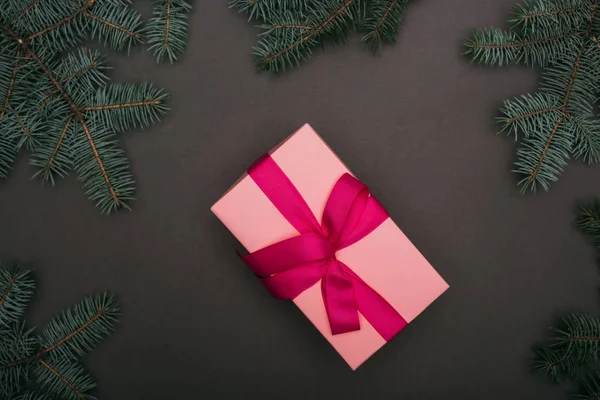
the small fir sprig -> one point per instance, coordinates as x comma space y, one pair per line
557, 122
574, 349
292, 29
56, 102
47, 366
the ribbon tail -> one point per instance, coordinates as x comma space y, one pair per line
289, 284
380, 314
340, 301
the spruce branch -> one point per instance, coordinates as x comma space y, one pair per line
280, 50
62, 379
16, 289
167, 29
56, 102
265, 9
292, 29
384, 22
574, 349
116, 25
48, 362
588, 220
556, 123
590, 387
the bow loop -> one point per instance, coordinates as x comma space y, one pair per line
351, 213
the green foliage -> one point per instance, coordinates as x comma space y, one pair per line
47, 367
167, 29
590, 387
558, 122
574, 349
55, 102
291, 29
588, 220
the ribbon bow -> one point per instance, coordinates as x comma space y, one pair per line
290, 267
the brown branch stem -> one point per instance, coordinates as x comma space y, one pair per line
62, 378
123, 105
20, 120
534, 173
11, 85
531, 114
110, 24
308, 28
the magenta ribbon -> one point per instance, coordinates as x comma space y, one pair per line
290, 267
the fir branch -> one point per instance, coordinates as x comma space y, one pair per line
60, 106
50, 359
276, 52
114, 202
16, 289
86, 5
8, 152
557, 122
267, 9
383, 23
11, 85
588, 220
57, 163
496, 47
25, 11
586, 144
29, 127
590, 387
75, 332
542, 14
113, 26
116, 25
124, 106
529, 114
553, 362
64, 379
576, 344
167, 29
16, 342
31, 395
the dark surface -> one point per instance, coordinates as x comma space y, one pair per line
415, 124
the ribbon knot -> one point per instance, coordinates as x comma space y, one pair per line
291, 266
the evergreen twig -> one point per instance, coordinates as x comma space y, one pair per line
48, 362
575, 346
556, 123
291, 29
60, 107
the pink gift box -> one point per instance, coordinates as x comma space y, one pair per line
385, 259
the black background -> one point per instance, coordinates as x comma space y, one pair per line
415, 124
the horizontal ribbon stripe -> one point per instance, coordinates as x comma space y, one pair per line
290, 267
